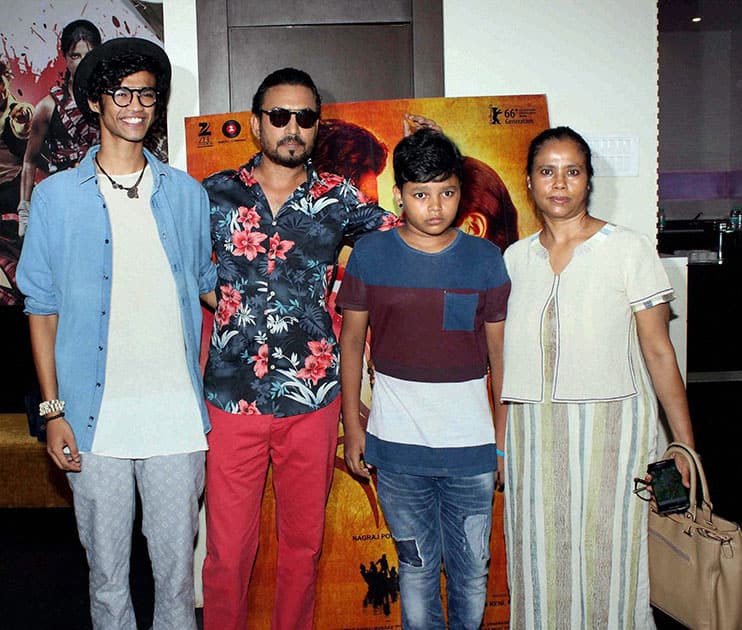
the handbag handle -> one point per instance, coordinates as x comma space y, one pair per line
696, 473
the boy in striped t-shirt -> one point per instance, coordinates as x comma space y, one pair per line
435, 299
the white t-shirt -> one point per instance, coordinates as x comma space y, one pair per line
149, 405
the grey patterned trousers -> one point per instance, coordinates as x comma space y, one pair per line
104, 494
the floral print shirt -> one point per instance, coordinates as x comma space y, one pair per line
272, 349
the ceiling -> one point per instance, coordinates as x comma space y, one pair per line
718, 15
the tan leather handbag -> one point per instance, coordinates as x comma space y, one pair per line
695, 559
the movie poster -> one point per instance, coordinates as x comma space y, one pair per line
40, 124
32, 66
358, 587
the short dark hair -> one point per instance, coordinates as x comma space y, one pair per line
560, 133
426, 156
79, 31
284, 76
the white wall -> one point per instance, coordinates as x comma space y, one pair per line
596, 60
181, 43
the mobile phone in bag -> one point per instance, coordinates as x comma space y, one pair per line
667, 487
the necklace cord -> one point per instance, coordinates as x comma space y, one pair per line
132, 191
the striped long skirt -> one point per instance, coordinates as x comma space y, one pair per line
576, 536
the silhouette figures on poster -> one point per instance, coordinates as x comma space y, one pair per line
382, 582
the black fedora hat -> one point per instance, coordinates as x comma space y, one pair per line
113, 48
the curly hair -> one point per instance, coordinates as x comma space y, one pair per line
109, 74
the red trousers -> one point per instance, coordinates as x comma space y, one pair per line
301, 450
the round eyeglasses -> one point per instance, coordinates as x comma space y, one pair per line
280, 117
123, 96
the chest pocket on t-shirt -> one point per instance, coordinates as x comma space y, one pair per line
459, 310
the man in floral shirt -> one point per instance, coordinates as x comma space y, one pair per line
271, 381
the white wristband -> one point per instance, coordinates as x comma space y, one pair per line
51, 406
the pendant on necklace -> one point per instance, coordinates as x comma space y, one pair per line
132, 192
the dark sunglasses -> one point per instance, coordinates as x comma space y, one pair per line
123, 96
280, 117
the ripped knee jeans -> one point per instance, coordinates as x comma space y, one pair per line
440, 521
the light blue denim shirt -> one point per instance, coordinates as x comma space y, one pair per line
65, 269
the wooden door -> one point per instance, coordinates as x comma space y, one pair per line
354, 50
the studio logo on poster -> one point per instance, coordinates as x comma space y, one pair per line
204, 133
231, 129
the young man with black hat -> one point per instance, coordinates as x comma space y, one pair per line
116, 255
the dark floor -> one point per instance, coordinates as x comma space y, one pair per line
43, 573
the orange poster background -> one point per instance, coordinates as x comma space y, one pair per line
467, 120
493, 129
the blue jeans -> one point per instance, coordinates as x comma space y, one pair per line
434, 519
